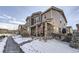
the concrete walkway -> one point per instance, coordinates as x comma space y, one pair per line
25, 42
11, 46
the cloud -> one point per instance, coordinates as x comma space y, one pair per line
17, 22
8, 26
9, 19
75, 16
4, 16
9, 22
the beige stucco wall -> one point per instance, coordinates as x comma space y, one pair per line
55, 18
48, 16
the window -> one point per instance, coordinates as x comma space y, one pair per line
45, 16
38, 19
34, 20
59, 30
60, 21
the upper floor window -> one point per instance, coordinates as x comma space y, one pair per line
60, 21
33, 21
38, 19
45, 16
59, 30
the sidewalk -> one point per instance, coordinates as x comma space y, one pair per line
11, 46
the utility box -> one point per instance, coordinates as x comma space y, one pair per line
75, 39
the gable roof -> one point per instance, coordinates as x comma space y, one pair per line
57, 9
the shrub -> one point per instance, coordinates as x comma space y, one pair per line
24, 34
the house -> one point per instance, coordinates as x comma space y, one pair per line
75, 39
77, 25
22, 29
69, 29
45, 23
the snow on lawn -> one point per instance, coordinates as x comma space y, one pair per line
18, 39
2, 44
51, 46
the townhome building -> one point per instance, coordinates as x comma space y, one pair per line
45, 23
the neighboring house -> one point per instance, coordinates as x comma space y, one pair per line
69, 29
22, 29
75, 40
77, 25
45, 23
19, 29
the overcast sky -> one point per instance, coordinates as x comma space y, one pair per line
12, 16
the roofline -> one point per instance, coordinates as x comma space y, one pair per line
52, 7
57, 9
35, 13
27, 17
69, 26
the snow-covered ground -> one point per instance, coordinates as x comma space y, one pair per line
2, 44
20, 39
51, 46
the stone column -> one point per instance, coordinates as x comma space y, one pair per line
29, 31
36, 30
45, 30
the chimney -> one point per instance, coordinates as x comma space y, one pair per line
77, 25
